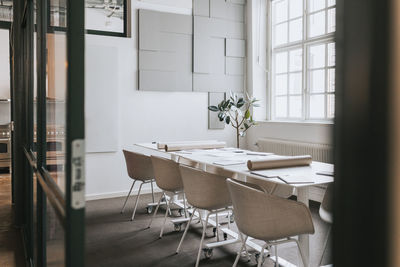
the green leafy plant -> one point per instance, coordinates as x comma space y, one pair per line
237, 111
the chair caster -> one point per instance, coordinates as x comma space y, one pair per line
181, 212
177, 227
149, 209
225, 236
208, 252
257, 256
231, 218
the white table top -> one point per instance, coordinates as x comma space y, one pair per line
241, 156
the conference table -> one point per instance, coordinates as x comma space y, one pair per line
235, 161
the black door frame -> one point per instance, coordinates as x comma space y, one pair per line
361, 195
68, 207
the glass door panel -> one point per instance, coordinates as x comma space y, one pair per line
56, 106
55, 239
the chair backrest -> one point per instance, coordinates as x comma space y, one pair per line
221, 171
188, 162
139, 166
325, 210
205, 190
167, 174
267, 217
275, 189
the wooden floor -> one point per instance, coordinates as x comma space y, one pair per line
11, 249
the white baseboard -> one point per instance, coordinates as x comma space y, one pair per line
119, 194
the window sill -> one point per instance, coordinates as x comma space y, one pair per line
305, 123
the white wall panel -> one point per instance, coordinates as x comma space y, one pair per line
235, 48
101, 87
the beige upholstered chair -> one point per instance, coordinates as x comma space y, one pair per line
207, 192
168, 179
139, 169
325, 212
267, 217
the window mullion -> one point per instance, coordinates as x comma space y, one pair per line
305, 61
326, 78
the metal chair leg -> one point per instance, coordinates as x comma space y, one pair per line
126, 199
229, 220
152, 190
303, 260
137, 201
186, 229
184, 205
165, 217
276, 256
202, 240
217, 226
260, 258
243, 247
325, 245
155, 212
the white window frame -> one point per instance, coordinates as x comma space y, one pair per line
305, 43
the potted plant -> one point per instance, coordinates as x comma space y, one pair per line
237, 112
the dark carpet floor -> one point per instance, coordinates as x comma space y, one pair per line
113, 240
11, 249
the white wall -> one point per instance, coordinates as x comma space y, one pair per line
257, 84
144, 116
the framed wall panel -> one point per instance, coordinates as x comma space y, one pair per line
165, 51
219, 46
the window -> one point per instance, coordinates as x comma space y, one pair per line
303, 59
6, 13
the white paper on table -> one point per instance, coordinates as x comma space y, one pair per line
229, 162
267, 173
296, 179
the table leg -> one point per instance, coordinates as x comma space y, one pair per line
304, 240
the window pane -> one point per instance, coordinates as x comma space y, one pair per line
295, 83
295, 8
317, 106
6, 10
331, 106
331, 54
281, 107
281, 34
295, 107
281, 84
331, 20
317, 56
296, 60
314, 5
296, 30
58, 13
317, 81
280, 11
331, 80
317, 24
331, 2
281, 62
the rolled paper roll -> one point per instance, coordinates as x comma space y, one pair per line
281, 162
161, 145
188, 146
